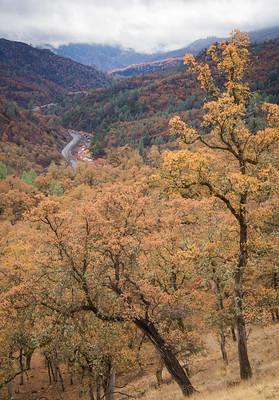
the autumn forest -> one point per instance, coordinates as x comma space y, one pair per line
150, 269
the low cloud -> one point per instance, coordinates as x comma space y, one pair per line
145, 25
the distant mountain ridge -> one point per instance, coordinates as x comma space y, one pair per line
104, 57
107, 57
175, 58
257, 36
28, 73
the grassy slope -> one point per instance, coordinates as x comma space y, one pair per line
209, 376
215, 382
263, 389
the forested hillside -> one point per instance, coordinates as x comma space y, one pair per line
137, 110
28, 140
39, 76
148, 266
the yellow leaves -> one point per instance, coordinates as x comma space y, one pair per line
18, 247
260, 303
203, 72
212, 51
189, 59
45, 209
176, 124
204, 76
223, 112
187, 134
272, 111
225, 126
154, 156
15, 203
237, 41
232, 59
261, 142
234, 56
240, 39
267, 137
184, 168
242, 184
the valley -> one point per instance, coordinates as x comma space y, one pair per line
139, 220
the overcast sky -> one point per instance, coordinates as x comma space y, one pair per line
145, 25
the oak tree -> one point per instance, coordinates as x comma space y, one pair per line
225, 159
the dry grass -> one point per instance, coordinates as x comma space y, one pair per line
263, 389
214, 381
209, 376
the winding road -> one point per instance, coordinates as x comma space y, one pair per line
67, 151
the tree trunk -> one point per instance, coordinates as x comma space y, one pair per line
51, 369
10, 390
275, 309
48, 370
10, 384
244, 364
28, 356
109, 382
70, 371
169, 359
233, 333
61, 378
159, 372
55, 370
98, 388
223, 347
82, 375
21, 366
274, 314
220, 307
90, 384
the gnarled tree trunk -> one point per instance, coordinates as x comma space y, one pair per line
168, 357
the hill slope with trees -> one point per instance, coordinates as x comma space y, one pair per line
150, 262
136, 110
28, 140
31, 74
